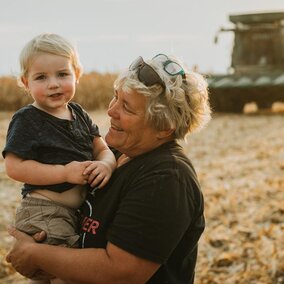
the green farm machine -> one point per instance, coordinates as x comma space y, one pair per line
257, 65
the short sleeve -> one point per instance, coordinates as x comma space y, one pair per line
93, 128
22, 137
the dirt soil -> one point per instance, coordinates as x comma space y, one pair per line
240, 163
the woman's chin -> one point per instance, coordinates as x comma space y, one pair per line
110, 139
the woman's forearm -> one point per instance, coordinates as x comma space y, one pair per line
92, 265
111, 265
74, 265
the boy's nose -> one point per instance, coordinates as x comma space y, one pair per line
53, 83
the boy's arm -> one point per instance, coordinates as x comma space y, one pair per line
101, 169
36, 173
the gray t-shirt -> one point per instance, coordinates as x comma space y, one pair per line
36, 135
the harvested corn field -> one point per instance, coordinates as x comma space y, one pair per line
240, 163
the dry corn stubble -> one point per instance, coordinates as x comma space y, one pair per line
240, 163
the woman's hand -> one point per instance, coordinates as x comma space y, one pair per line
20, 254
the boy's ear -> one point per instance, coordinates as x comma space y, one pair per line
25, 82
77, 75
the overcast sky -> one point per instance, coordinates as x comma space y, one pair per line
109, 34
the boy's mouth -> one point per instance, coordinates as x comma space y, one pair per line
55, 95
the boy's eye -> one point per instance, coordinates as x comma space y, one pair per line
63, 74
40, 77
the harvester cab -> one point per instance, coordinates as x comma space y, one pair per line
257, 64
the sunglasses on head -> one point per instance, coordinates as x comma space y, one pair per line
146, 74
171, 67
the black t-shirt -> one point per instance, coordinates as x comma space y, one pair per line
152, 207
36, 135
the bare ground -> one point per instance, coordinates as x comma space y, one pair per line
240, 163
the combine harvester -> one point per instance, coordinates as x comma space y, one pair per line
257, 65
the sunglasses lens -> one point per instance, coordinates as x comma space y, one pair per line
173, 68
148, 76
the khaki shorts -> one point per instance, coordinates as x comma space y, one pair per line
59, 222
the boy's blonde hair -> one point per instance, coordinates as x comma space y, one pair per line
52, 44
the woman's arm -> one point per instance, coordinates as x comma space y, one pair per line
110, 265
33, 172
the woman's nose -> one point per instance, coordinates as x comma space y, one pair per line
112, 109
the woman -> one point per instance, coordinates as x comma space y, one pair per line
145, 224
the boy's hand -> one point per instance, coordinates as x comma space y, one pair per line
98, 173
74, 172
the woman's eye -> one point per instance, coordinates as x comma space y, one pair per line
126, 108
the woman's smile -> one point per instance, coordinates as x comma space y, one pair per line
115, 127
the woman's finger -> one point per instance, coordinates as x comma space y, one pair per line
18, 234
40, 236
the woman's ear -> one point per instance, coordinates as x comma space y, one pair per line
165, 133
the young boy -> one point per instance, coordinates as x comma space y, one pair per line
52, 145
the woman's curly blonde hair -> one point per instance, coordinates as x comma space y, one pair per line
183, 105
